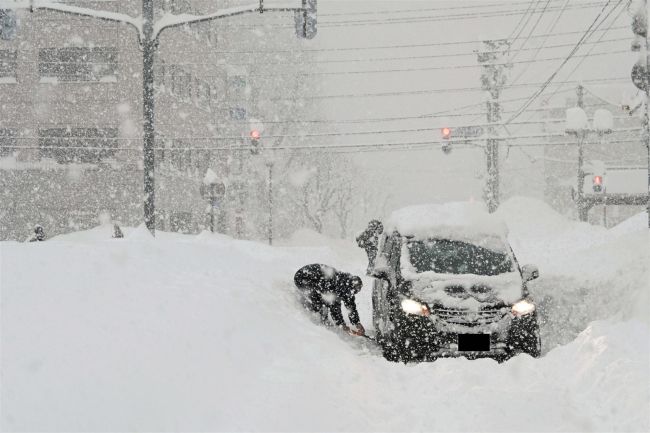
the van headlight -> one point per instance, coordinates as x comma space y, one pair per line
523, 308
409, 306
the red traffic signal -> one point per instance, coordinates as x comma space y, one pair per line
598, 184
446, 133
255, 141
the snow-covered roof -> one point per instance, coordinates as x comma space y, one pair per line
462, 221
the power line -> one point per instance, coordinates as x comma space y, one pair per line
425, 68
395, 58
549, 31
389, 47
521, 20
601, 36
444, 8
310, 135
413, 145
592, 48
528, 17
532, 30
435, 18
415, 19
421, 92
552, 76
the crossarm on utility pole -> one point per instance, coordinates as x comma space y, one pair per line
171, 20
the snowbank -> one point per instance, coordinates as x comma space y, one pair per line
206, 333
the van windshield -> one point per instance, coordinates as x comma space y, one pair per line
454, 257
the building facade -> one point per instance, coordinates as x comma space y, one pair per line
71, 123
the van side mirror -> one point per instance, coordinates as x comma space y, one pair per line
529, 272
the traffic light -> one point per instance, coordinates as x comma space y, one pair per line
255, 141
446, 135
638, 10
598, 184
7, 24
306, 20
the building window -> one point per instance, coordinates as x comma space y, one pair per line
7, 66
202, 94
180, 82
89, 145
8, 23
8, 142
77, 64
238, 113
180, 221
237, 88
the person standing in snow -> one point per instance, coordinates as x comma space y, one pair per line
324, 289
369, 241
39, 234
117, 232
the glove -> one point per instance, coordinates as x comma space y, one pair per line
357, 332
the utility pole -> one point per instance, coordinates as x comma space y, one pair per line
646, 115
148, 35
269, 164
641, 76
580, 201
241, 200
493, 79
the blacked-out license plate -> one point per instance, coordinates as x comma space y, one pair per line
473, 342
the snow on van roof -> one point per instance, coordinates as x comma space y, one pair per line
465, 221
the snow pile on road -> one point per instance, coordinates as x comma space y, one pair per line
187, 333
587, 272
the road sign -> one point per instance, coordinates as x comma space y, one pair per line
468, 131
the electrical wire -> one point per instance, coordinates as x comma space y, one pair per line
389, 47
480, 5
532, 29
521, 20
420, 92
604, 32
426, 68
537, 93
539, 48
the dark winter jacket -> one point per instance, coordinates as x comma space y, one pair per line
369, 238
369, 241
39, 234
333, 287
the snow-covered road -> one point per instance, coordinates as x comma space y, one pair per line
189, 333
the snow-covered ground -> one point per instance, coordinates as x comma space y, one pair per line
204, 333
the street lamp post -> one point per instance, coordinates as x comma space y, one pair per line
577, 124
269, 165
216, 190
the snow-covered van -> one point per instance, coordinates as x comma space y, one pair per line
448, 284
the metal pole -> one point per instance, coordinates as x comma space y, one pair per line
239, 218
148, 51
582, 210
270, 203
212, 197
646, 116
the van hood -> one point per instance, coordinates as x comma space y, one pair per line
465, 291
